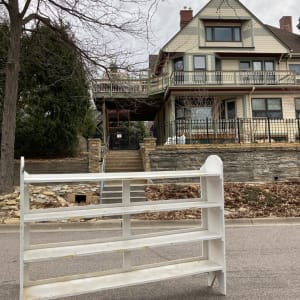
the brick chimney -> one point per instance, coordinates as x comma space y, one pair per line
186, 15
286, 23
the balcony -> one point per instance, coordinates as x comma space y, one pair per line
235, 131
143, 87
233, 78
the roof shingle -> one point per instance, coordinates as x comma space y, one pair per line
291, 40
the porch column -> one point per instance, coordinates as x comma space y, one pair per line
149, 145
245, 110
94, 155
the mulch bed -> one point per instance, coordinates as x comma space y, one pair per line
242, 200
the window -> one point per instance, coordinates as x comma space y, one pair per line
257, 65
245, 65
257, 72
178, 64
199, 68
267, 108
194, 108
269, 66
199, 62
297, 105
295, 68
178, 70
223, 34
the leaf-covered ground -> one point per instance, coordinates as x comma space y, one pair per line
241, 200
252, 200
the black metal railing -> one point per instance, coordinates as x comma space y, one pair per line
208, 131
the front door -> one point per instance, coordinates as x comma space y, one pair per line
228, 110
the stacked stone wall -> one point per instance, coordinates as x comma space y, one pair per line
242, 163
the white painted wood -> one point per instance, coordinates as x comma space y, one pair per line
96, 284
137, 243
22, 225
96, 177
211, 233
117, 210
126, 224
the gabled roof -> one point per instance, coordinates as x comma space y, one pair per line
288, 40
291, 40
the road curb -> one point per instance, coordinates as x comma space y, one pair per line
115, 224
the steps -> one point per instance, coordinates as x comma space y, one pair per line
123, 161
112, 192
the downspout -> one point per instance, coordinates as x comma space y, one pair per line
289, 57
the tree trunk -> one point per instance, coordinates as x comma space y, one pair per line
10, 99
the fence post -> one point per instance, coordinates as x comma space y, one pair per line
269, 131
175, 121
298, 121
238, 128
207, 133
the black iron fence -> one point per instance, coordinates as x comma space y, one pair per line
208, 131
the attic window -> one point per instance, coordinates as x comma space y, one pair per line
223, 34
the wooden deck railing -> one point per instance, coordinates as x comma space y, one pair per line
147, 86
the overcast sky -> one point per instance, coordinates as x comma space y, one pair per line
166, 20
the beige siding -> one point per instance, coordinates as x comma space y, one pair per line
288, 107
230, 65
186, 40
224, 8
253, 32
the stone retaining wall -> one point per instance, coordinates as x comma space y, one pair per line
85, 163
53, 166
242, 163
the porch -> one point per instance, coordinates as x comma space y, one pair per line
228, 131
141, 87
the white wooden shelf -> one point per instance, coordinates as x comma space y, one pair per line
57, 251
96, 177
116, 210
211, 234
80, 286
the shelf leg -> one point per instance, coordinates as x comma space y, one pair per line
126, 224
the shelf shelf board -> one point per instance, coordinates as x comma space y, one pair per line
116, 210
96, 177
58, 251
93, 284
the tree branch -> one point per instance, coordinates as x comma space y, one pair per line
4, 3
25, 8
83, 17
36, 16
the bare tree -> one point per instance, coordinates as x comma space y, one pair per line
107, 23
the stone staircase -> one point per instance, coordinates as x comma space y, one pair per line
123, 161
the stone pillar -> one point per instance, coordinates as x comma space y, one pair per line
148, 146
94, 155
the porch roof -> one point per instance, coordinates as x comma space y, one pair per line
140, 109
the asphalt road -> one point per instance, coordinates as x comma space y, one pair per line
263, 262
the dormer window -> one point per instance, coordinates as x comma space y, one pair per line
223, 33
